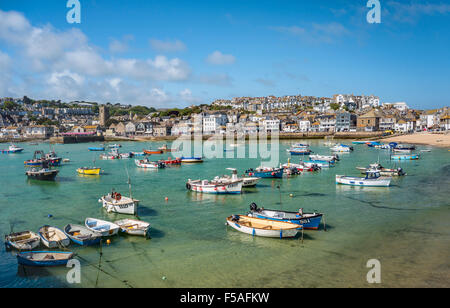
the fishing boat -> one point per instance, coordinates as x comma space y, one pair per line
89, 170
330, 158
216, 186
150, 152
147, 164
263, 227
53, 159
101, 227
12, 149
114, 202
44, 173
405, 157
171, 161
321, 163
82, 235
44, 258
133, 227
38, 158
114, 146
299, 151
373, 179
96, 149
53, 237
246, 181
383, 171
25, 240
114, 154
342, 148
266, 172
191, 160
309, 221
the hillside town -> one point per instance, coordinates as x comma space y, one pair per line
28, 118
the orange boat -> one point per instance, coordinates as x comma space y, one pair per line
152, 152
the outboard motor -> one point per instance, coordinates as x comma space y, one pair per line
253, 207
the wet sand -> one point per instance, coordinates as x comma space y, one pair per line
434, 139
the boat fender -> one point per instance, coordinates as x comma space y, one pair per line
118, 196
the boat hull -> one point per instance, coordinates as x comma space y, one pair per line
354, 181
126, 206
229, 188
93, 171
311, 222
26, 258
254, 231
267, 174
86, 238
63, 240
101, 227
26, 240
42, 176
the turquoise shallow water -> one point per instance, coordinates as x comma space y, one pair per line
405, 226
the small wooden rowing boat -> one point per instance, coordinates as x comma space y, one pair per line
25, 240
53, 237
263, 227
44, 258
82, 235
133, 227
101, 227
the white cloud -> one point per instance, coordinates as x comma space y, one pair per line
167, 46
218, 58
65, 65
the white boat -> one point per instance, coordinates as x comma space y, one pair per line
247, 181
26, 240
133, 227
263, 227
147, 164
53, 237
383, 171
342, 148
114, 202
373, 178
101, 227
330, 158
216, 186
114, 146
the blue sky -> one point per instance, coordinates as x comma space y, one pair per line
177, 53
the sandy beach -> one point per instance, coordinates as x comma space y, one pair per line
434, 139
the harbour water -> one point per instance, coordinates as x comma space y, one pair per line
405, 226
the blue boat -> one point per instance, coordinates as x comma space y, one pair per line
309, 221
405, 157
265, 172
82, 235
299, 151
96, 149
44, 258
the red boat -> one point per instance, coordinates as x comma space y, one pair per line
170, 161
152, 152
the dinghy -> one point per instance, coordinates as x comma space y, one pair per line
299, 151
191, 160
101, 227
133, 227
53, 237
342, 148
96, 149
331, 158
82, 235
150, 152
26, 240
372, 179
307, 220
405, 157
263, 227
44, 258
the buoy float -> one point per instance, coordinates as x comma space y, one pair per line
108, 241
291, 195
273, 173
167, 199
